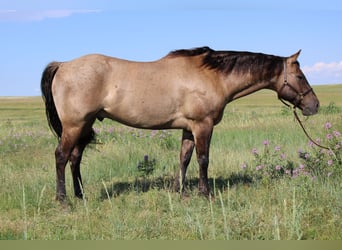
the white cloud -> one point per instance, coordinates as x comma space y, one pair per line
322, 72
321, 66
38, 15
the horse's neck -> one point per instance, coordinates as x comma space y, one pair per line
240, 88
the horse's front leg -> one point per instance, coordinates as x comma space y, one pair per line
202, 143
185, 156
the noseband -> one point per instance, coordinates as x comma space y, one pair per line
299, 97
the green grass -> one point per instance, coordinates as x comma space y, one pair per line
121, 204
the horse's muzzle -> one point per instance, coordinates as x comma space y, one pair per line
311, 109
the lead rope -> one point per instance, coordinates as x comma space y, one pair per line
306, 133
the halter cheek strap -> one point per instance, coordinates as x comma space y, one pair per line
298, 99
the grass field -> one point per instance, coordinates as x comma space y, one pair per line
123, 203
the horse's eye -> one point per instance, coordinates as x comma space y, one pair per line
300, 77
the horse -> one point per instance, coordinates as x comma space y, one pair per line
188, 89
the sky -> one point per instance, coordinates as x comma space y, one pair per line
36, 32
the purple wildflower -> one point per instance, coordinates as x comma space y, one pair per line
322, 151
327, 125
336, 133
278, 167
283, 156
266, 142
254, 151
330, 137
277, 148
243, 166
330, 162
259, 167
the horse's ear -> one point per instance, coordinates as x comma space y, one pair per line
294, 57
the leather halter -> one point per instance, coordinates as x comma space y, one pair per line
298, 99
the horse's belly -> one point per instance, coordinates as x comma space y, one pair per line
143, 116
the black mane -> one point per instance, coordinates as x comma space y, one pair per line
191, 52
262, 66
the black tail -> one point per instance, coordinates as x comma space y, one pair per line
50, 108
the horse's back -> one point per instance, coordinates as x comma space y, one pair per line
161, 94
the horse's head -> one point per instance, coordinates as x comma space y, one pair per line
294, 87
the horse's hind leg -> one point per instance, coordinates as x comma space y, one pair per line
62, 154
63, 151
75, 159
